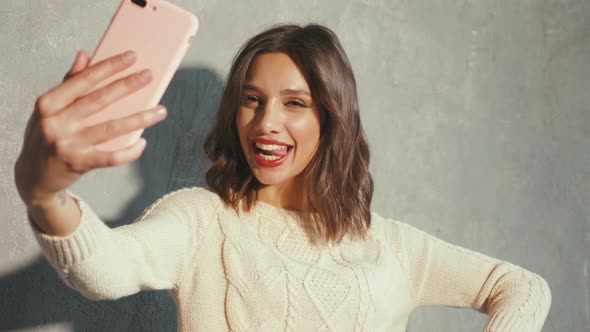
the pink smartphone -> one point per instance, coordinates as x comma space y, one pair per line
160, 34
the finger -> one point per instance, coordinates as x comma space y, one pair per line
101, 159
110, 129
107, 95
79, 64
74, 65
63, 94
84, 61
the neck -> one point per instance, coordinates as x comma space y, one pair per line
287, 195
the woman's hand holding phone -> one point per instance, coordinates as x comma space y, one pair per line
58, 149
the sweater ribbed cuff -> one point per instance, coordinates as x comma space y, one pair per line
64, 251
524, 313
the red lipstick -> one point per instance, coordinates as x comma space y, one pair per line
269, 141
260, 157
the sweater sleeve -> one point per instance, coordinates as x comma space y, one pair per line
109, 263
444, 274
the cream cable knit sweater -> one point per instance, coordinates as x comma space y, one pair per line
258, 272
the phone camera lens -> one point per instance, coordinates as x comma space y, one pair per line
140, 3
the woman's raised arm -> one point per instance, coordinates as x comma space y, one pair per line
58, 148
108, 263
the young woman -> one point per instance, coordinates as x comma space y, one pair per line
283, 237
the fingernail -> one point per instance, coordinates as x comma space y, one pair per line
128, 56
160, 111
145, 75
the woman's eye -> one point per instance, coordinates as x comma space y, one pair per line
296, 103
249, 99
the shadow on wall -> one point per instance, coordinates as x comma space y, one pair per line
174, 158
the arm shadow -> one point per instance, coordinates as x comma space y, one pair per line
174, 158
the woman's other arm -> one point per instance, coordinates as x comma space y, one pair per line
444, 274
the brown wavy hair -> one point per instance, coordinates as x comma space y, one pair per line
338, 187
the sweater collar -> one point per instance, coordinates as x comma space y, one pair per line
269, 210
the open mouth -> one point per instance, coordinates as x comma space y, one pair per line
271, 155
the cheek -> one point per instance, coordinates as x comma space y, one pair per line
306, 132
243, 123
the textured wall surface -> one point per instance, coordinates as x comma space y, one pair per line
477, 114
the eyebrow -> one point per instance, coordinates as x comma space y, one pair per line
283, 92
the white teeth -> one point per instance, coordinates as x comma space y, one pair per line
265, 157
270, 147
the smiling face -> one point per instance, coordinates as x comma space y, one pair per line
313, 154
278, 123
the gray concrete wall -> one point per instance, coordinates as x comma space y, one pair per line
477, 113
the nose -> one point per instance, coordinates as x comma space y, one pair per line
269, 118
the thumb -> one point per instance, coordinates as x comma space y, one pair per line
79, 64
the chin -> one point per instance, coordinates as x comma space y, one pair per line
267, 179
